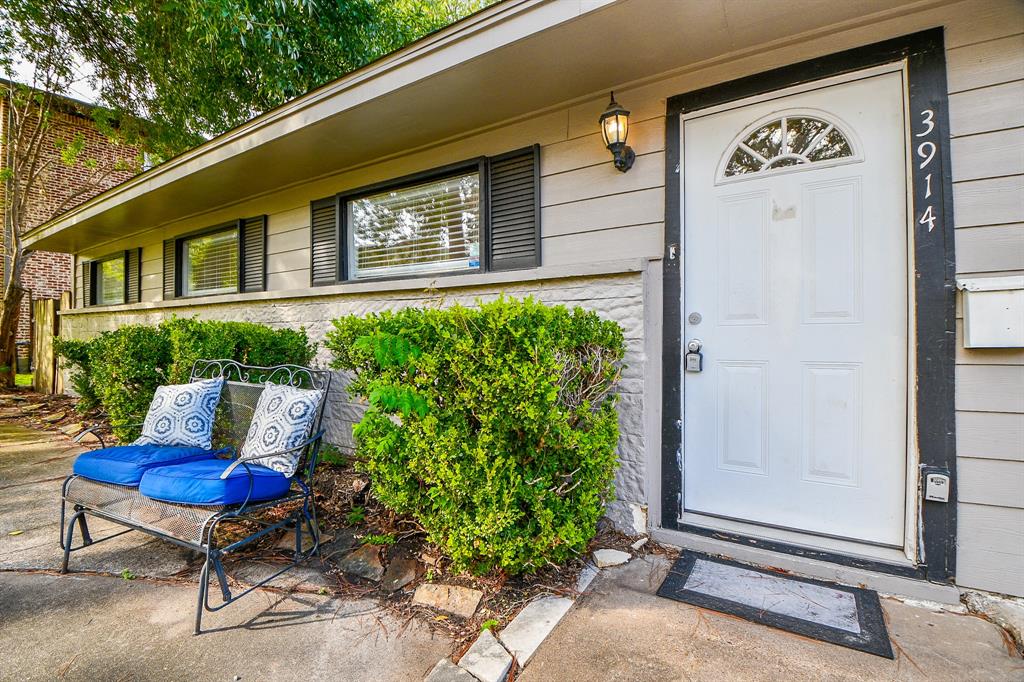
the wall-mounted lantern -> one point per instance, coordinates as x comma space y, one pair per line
614, 128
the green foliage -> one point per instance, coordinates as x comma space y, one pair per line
74, 356
126, 574
197, 69
332, 455
494, 427
121, 369
246, 342
489, 624
379, 539
126, 366
355, 516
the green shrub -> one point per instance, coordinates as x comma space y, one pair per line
246, 342
494, 427
126, 367
121, 369
74, 356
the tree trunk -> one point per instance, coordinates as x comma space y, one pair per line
9, 310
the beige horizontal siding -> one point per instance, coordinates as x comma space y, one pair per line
601, 213
986, 63
634, 241
593, 182
990, 248
990, 435
981, 111
991, 201
991, 481
990, 388
988, 155
990, 548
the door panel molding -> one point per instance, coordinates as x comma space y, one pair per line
933, 303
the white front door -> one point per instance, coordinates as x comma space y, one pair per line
795, 282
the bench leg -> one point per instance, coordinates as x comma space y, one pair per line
204, 583
67, 541
79, 518
84, 527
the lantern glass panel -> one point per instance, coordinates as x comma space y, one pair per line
615, 128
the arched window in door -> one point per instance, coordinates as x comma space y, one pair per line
784, 141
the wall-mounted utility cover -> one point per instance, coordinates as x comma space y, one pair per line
993, 311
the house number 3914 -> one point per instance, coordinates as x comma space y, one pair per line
926, 150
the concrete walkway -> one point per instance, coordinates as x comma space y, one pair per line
99, 628
622, 631
90, 626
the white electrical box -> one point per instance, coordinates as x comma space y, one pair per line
993, 311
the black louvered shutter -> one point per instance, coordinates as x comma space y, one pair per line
170, 279
323, 220
133, 275
514, 206
253, 236
86, 284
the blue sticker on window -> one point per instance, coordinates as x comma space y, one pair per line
474, 263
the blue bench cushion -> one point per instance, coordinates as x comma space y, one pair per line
200, 483
125, 464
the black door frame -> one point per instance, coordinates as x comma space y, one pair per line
934, 290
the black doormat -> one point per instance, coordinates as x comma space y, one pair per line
847, 616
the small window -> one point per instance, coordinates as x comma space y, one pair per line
787, 141
424, 228
210, 264
110, 281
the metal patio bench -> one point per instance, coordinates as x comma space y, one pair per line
195, 526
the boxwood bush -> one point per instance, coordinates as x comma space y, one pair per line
494, 427
121, 369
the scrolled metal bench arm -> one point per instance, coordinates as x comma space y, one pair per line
298, 448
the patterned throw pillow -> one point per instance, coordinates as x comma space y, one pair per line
283, 419
182, 415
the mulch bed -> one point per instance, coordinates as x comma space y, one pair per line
347, 509
50, 413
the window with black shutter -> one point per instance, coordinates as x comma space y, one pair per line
479, 215
114, 279
224, 259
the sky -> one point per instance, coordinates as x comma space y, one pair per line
80, 89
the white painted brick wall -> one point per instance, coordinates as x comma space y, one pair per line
615, 297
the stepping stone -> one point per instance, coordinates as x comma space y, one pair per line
454, 599
55, 417
364, 562
487, 659
534, 623
446, 671
72, 429
401, 571
610, 557
29, 409
287, 541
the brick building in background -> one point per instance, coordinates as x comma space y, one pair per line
47, 274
